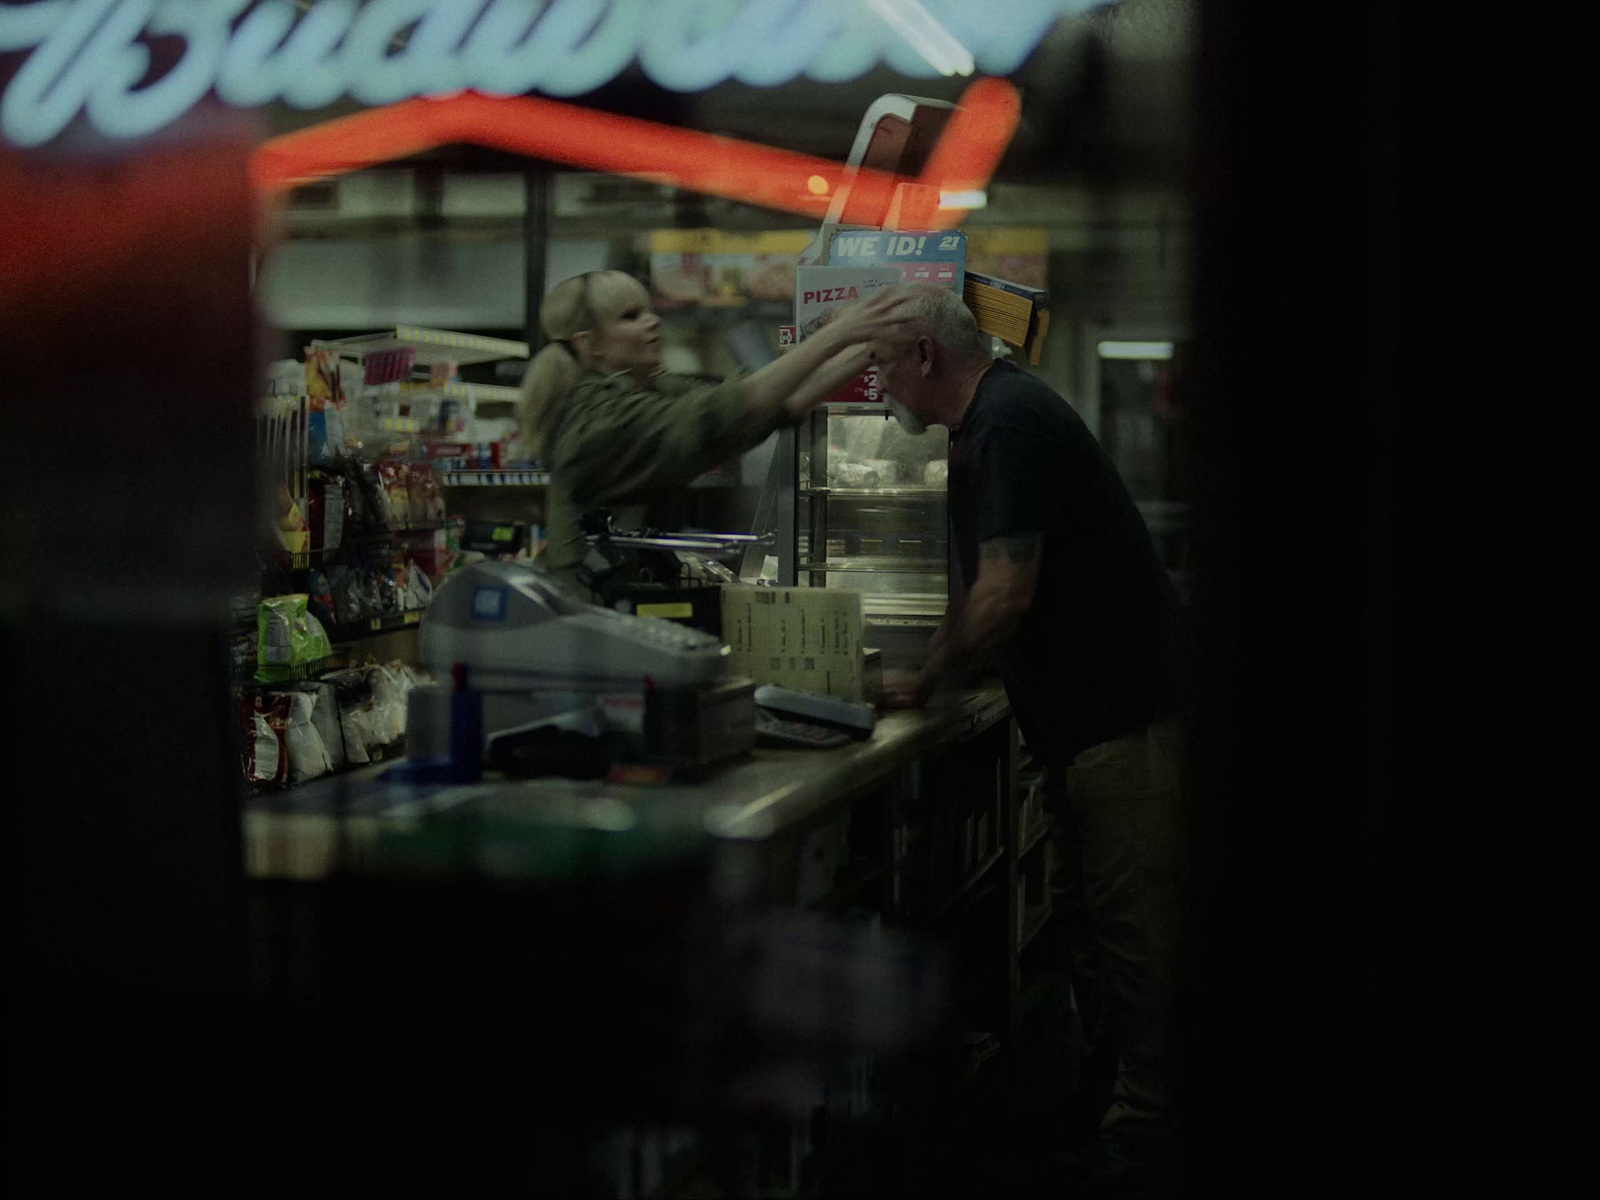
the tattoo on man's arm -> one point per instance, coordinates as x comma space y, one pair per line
1019, 548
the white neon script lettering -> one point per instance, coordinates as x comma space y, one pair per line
87, 56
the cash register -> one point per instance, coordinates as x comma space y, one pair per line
572, 688
676, 576
569, 688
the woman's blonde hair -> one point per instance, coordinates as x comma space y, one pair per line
583, 304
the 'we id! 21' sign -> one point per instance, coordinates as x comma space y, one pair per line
93, 57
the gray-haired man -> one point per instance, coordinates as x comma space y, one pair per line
1061, 590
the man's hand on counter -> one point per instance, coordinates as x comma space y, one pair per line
903, 689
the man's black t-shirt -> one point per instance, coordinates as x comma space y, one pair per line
1101, 652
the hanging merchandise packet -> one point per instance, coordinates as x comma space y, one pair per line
395, 479
323, 383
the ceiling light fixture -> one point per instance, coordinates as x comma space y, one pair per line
1143, 351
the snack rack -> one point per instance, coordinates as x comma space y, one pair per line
429, 345
397, 400
387, 417
478, 486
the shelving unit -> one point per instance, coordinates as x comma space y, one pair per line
341, 635
412, 396
431, 345
874, 522
472, 393
285, 449
379, 759
877, 565
392, 532
896, 508
295, 674
906, 609
301, 560
346, 642
492, 478
807, 489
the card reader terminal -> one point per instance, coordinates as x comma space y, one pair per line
857, 720
773, 729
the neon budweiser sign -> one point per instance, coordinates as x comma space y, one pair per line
93, 57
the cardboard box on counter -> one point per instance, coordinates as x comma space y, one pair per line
803, 638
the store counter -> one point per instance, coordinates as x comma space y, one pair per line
613, 956
557, 831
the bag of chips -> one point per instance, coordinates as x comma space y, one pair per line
266, 721
395, 478
429, 551
307, 755
323, 381
287, 636
390, 687
325, 716
352, 698
326, 432
426, 496
320, 604
384, 596
326, 515
380, 512
419, 589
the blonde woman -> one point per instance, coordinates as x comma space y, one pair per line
618, 433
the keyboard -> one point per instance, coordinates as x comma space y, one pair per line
773, 729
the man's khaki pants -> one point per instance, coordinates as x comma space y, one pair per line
1119, 838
